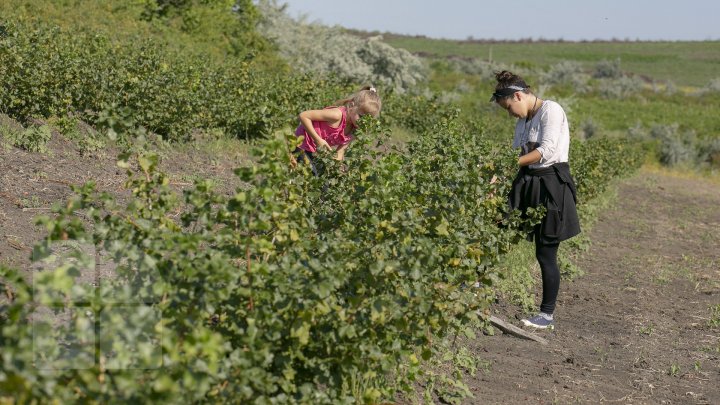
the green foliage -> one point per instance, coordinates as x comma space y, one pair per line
87, 139
714, 321
415, 112
599, 159
167, 93
589, 128
9, 129
296, 289
233, 22
217, 30
32, 139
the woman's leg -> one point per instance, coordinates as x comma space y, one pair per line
546, 255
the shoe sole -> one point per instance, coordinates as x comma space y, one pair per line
526, 323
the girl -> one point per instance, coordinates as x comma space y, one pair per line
333, 126
543, 179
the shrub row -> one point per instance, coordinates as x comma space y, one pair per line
47, 72
297, 289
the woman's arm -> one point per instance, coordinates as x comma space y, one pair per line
333, 116
529, 158
551, 127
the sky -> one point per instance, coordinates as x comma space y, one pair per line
681, 20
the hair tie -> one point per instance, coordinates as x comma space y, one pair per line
372, 89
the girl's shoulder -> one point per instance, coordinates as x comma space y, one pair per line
549, 104
333, 113
339, 110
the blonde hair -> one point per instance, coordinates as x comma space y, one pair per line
366, 100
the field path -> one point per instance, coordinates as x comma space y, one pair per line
635, 329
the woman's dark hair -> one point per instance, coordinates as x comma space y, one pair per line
506, 79
508, 84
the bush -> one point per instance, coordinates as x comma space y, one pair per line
608, 69
219, 30
709, 151
474, 66
622, 87
567, 73
713, 87
32, 139
675, 147
589, 128
326, 50
9, 128
167, 93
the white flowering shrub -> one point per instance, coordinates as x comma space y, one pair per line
315, 48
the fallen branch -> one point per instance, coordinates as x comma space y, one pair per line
65, 183
514, 330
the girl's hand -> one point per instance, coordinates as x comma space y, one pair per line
322, 144
493, 180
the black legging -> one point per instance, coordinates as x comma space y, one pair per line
546, 255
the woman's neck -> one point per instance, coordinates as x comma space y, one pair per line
537, 102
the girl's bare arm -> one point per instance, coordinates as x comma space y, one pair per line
332, 116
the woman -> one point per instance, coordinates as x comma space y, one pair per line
543, 136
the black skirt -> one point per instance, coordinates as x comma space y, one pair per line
554, 188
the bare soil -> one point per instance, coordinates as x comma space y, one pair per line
30, 183
637, 327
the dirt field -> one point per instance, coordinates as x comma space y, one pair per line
30, 183
636, 328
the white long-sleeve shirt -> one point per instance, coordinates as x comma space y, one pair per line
548, 132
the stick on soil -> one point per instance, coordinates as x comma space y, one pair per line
515, 331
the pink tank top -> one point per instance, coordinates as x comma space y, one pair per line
333, 136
